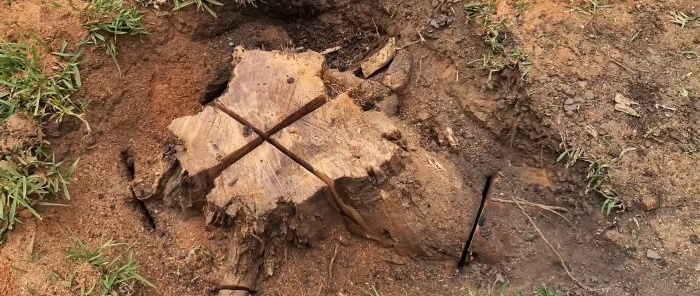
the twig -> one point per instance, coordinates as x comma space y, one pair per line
420, 67
376, 29
561, 260
553, 209
421, 37
621, 65
330, 264
408, 44
331, 50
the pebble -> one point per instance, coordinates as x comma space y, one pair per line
569, 101
568, 90
440, 21
422, 115
695, 239
649, 203
653, 255
500, 279
399, 72
588, 95
530, 236
570, 108
502, 104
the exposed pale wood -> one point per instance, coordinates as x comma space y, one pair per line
267, 87
261, 179
343, 142
208, 137
379, 59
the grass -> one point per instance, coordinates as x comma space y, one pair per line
201, 5
547, 292
29, 175
682, 19
207, 5
105, 20
118, 274
521, 5
26, 181
544, 291
25, 84
372, 291
597, 174
590, 7
497, 56
571, 156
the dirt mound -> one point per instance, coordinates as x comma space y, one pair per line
19, 132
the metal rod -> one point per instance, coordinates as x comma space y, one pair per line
484, 196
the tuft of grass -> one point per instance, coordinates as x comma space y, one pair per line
544, 291
372, 291
482, 12
682, 19
497, 56
521, 5
571, 156
118, 274
590, 7
201, 5
597, 174
25, 84
28, 175
207, 5
105, 20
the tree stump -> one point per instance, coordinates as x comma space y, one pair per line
276, 148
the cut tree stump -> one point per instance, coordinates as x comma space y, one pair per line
274, 147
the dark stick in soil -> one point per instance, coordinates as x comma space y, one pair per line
484, 196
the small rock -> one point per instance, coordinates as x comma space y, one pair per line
89, 140
588, 95
650, 203
569, 101
653, 255
399, 71
568, 90
694, 238
390, 105
579, 99
581, 76
530, 236
501, 104
500, 279
422, 115
616, 237
570, 108
623, 104
440, 21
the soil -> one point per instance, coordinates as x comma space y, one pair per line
511, 124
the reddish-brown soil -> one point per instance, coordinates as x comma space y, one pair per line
511, 124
